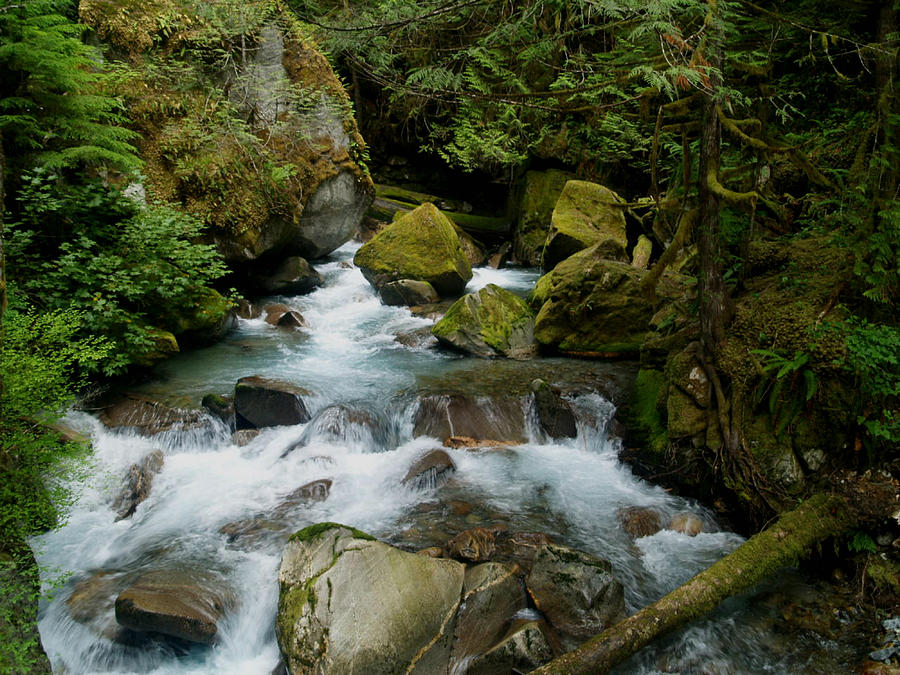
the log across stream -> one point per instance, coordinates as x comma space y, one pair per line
217, 509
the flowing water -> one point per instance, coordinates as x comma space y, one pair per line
209, 489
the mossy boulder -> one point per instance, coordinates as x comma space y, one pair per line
421, 245
262, 147
596, 306
586, 214
204, 321
540, 192
350, 604
491, 322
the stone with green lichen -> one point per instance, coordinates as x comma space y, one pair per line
491, 322
595, 305
350, 604
421, 245
585, 216
540, 193
163, 346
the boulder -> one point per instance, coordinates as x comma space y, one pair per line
554, 413
686, 523
492, 322
492, 595
596, 306
501, 257
282, 315
585, 216
316, 491
640, 256
260, 402
179, 603
443, 416
640, 521
294, 276
422, 245
431, 470
576, 591
539, 196
348, 426
247, 310
471, 248
138, 481
407, 292
145, 415
350, 604
524, 648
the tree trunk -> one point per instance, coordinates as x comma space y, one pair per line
784, 543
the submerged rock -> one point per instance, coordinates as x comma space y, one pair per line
138, 481
260, 402
586, 215
183, 604
640, 521
491, 322
283, 315
686, 523
221, 407
422, 245
350, 604
346, 425
576, 591
475, 545
431, 470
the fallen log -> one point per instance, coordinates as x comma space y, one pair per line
791, 538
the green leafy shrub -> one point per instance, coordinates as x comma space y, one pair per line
130, 270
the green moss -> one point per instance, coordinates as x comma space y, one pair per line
541, 291
313, 531
493, 317
644, 408
885, 574
541, 190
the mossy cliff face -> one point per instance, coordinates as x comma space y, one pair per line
586, 214
422, 245
244, 122
539, 195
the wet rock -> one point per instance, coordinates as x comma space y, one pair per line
576, 591
294, 276
492, 594
492, 322
524, 648
260, 402
640, 521
429, 471
473, 443
555, 414
459, 507
138, 481
247, 310
92, 602
350, 604
244, 437
521, 547
182, 604
479, 418
417, 339
221, 407
422, 244
314, 491
586, 215
346, 425
147, 416
249, 532
686, 523
408, 292
501, 257
282, 315
474, 546
431, 552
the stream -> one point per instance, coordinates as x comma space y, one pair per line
349, 356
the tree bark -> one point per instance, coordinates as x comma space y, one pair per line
782, 544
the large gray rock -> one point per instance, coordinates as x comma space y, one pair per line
183, 604
349, 604
586, 215
408, 292
477, 418
492, 322
260, 402
576, 591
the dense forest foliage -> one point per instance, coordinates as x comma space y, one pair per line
748, 138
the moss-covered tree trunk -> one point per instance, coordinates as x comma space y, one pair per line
784, 543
